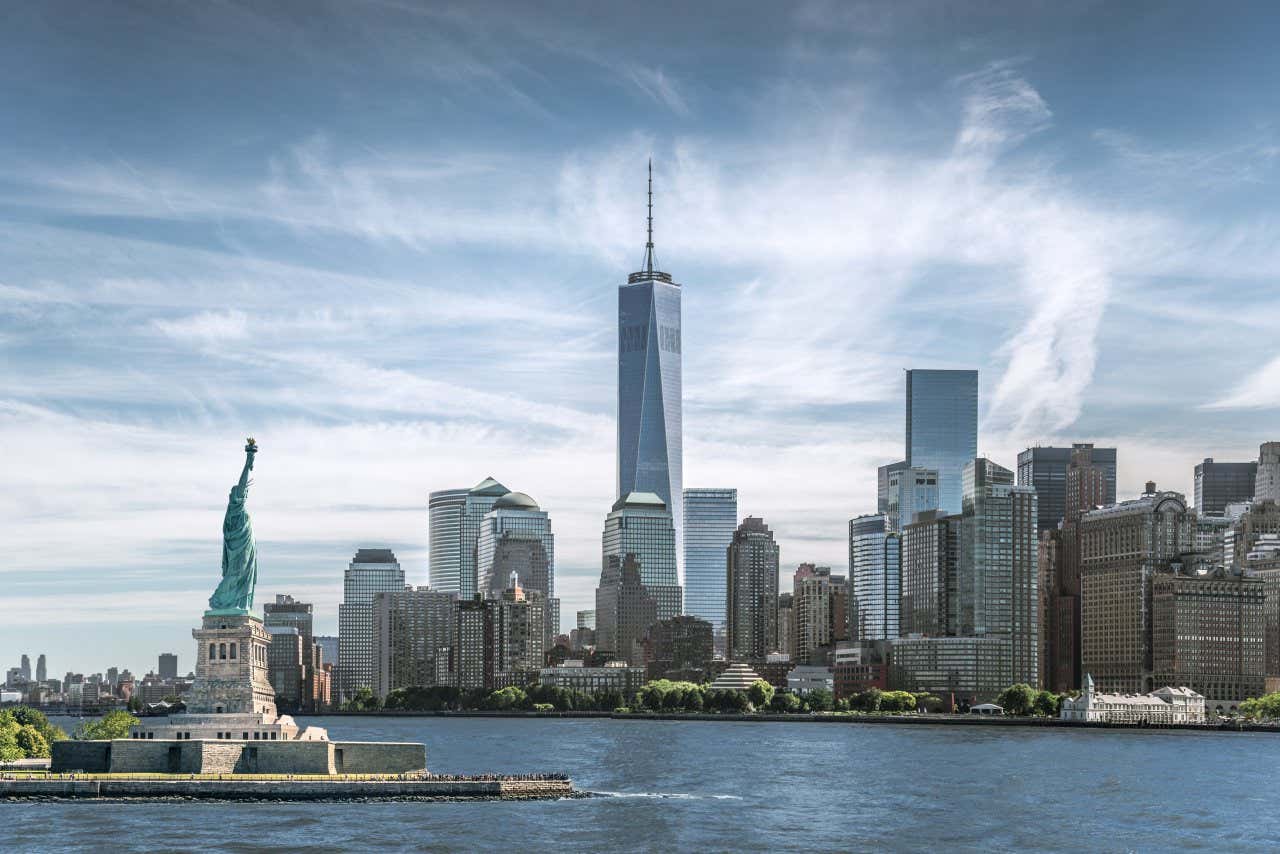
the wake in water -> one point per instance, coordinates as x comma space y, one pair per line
676, 796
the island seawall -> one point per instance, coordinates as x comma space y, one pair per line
284, 789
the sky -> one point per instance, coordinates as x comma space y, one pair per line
385, 239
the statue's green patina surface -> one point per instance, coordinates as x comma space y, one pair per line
239, 553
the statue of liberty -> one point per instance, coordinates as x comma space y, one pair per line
239, 554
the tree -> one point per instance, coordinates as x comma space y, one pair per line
363, 701
27, 716
819, 700
785, 703
9, 749
111, 725
1266, 707
1047, 704
866, 701
898, 701
31, 742
135, 703
1017, 699
760, 693
506, 699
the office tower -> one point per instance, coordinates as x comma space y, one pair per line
883, 473
911, 491
752, 599
515, 536
1088, 484
1220, 484
640, 525
287, 667
875, 573
998, 590
1045, 468
371, 571
515, 631
942, 428
1266, 485
625, 608
25, 667
289, 613
412, 637
1121, 548
168, 666
649, 378
1261, 519
586, 619
710, 517
787, 626
328, 645
454, 526
1208, 633
930, 569
680, 648
819, 613
42, 671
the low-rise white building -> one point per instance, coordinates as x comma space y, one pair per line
1163, 706
805, 678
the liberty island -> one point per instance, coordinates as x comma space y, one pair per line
231, 730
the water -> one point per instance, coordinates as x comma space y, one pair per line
673, 785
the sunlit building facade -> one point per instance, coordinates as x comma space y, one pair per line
942, 428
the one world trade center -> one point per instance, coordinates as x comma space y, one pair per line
649, 418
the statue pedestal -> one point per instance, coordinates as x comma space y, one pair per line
231, 667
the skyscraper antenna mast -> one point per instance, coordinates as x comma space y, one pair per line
648, 247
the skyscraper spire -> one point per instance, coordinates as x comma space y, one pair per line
649, 270
648, 247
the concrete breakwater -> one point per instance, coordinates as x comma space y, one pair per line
105, 787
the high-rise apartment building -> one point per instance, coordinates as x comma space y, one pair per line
679, 648
1045, 468
710, 517
787, 626
371, 571
413, 636
24, 667
1220, 484
649, 385
930, 573
515, 637
1208, 633
167, 666
470, 649
752, 600
911, 491
998, 590
1266, 485
875, 574
640, 525
1121, 548
455, 516
942, 428
819, 613
42, 670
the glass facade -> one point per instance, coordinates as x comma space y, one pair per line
454, 518
710, 517
1220, 484
515, 536
649, 391
641, 525
1045, 468
942, 427
999, 565
372, 571
875, 570
911, 491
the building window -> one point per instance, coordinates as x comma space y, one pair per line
213, 651
222, 651
244, 736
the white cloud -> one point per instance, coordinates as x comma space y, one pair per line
1259, 389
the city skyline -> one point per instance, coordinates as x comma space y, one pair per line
412, 313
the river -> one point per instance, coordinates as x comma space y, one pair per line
690, 785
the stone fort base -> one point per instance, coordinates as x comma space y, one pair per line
155, 756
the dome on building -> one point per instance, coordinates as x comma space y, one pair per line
515, 501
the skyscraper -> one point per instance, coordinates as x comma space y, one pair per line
42, 672
875, 572
454, 522
942, 428
818, 613
515, 536
640, 525
1266, 485
412, 632
625, 609
710, 516
930, 568
1045, 468
371, 571
752, 618
281, 617
649, 384
883, 473
999, 565
911, 491
1220, 484
168, 666
25, 667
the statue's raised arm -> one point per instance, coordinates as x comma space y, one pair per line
239, 552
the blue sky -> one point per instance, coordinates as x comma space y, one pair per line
385, 239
